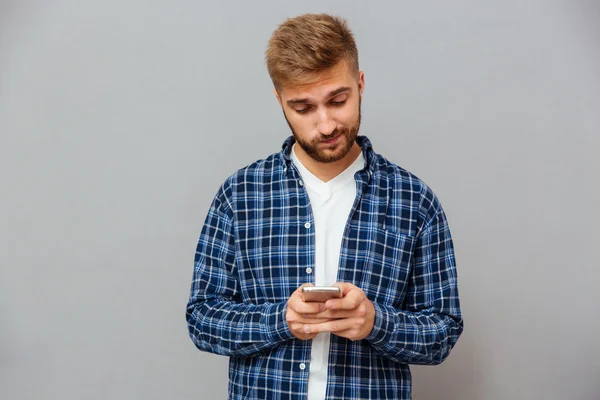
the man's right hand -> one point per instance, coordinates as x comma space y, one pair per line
300, 313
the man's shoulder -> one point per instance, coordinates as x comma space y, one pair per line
397, 176
405, 184
261, 169
392, 171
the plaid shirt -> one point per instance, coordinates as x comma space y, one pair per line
252, 254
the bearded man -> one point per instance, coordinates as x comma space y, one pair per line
326, 210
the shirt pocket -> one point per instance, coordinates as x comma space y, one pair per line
386, 266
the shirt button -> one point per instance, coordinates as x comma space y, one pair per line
285, 170
307, 225
309, 270
302, 366
300, 182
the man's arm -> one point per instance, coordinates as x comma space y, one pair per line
429, 324
218, 321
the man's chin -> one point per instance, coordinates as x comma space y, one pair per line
331, 155
326, 153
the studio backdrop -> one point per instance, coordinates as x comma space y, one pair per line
119, 120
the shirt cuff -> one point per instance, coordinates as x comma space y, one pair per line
275, 327
384, 322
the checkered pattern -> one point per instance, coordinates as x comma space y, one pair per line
256, 243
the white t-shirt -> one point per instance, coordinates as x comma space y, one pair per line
331, 203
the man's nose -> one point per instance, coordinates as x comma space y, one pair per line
325, 125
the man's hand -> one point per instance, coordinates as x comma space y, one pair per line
351, 317
300, 315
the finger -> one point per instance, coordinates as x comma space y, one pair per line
298, 304
298, 332
345, 286
304, 320
303, 307
350, 301
306, 307
337, 325
305, 328
294, 317
317, 316
359, 311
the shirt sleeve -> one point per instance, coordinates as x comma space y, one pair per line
218, 321
429, 324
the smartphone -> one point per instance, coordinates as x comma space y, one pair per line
321, 293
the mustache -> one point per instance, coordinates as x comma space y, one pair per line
333, 134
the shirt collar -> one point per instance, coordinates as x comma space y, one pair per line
314, 184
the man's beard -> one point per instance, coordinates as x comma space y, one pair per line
321, 155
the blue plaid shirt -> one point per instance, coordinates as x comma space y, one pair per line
253, 251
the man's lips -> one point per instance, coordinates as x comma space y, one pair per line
330, 141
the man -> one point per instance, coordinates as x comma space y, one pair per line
324, 210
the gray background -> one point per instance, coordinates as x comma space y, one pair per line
120, 119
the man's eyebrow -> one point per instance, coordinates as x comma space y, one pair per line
331, 94
341, 90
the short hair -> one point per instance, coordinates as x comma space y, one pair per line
306, 45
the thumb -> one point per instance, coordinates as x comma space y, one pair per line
345, 286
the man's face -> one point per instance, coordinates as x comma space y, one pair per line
324, 115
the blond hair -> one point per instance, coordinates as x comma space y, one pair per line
303, 47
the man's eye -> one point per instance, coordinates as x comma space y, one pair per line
338, 103
302, 110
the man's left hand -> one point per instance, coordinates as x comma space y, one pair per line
353, 314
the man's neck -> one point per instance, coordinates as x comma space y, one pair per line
327, 171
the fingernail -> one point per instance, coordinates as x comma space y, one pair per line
306, 328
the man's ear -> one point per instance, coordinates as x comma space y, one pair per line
277, 95
361, 82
